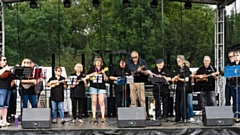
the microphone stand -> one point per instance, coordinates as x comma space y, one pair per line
236, 87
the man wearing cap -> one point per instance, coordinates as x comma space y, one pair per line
163, 92
138, 68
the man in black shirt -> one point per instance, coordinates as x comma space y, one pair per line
160, 71
205, 81
121, 71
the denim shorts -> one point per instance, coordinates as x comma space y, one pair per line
96, 91
4, 98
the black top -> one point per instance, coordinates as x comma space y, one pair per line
117, 72
6, 82
79, 90
206, 85
163, 72
133, 67
30, 90
234, 80
98, 80
57, 92
183, 72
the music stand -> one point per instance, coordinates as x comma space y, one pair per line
233, 71
21, 73
158, 81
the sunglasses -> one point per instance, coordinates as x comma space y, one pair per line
4, 60
27, 62
134, 57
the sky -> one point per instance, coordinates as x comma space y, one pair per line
231, 7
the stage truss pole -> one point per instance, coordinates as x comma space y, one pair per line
219, 52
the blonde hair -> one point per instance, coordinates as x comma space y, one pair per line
187, 63
97, 59
181, 57
78, 65
27, 59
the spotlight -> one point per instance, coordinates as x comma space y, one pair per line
67, 3
96, 3
126, 3
33, 4
154, 4
188, 5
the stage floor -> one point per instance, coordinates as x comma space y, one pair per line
110, 128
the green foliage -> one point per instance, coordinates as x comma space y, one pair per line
70, 32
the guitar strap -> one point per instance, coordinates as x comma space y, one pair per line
212, 68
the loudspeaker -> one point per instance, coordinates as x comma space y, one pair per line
131, 117
111, 106
218, 116
33, 118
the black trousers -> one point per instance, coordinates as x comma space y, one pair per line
119, 94
227, 94
79, 102
163, 97
179, 108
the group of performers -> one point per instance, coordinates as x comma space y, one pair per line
203, 80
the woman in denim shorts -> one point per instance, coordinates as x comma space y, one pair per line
97, 87
6, 83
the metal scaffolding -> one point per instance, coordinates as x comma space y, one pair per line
219, 51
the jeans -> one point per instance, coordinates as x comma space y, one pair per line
57, 105
208, 98
236, 101
32, 98
190, 105
4, 98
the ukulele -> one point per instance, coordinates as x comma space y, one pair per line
175, 79
205, 77
57, 83
105, 69
136, 72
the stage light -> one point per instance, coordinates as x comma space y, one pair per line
126, 3
33, 4
96, 3
67, 3
188, 5
154, 4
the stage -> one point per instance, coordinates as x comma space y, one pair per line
110, 128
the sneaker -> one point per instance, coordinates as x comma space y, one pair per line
81, 121
54, 121
73, 120
63, 121
237, 120
103, 120
8, 124
191, 120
